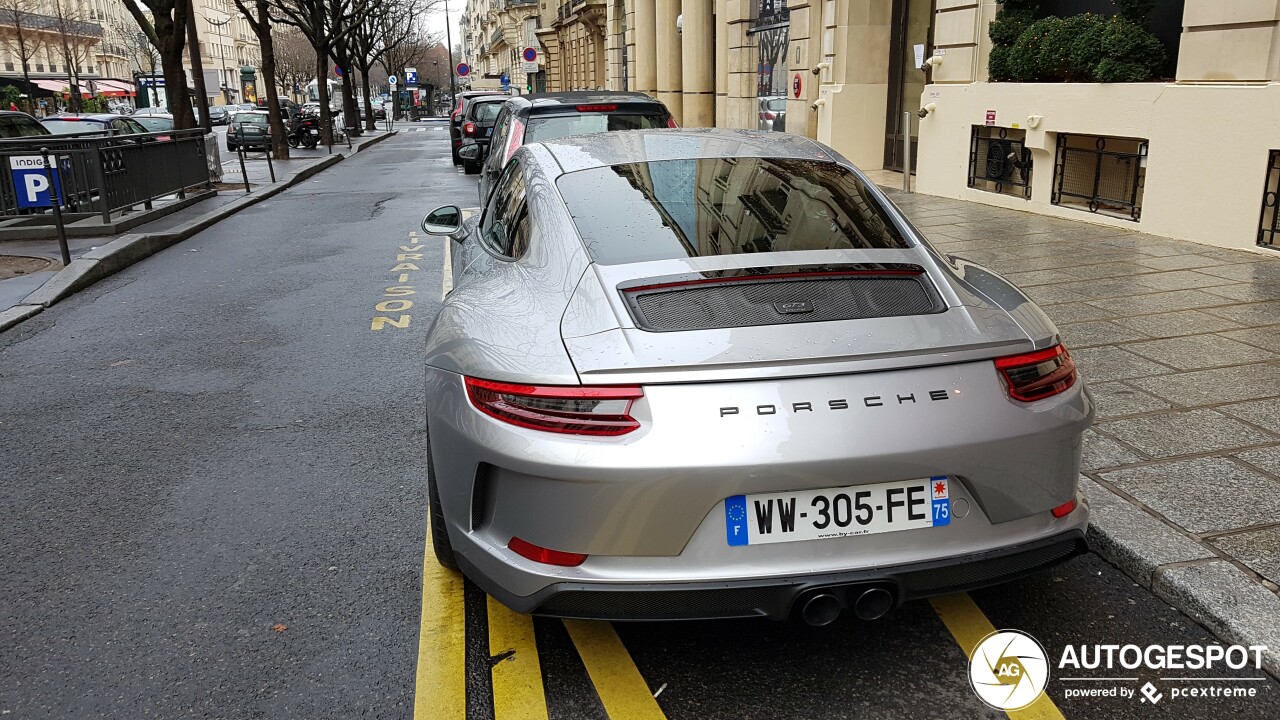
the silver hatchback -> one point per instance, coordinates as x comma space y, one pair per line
706, 374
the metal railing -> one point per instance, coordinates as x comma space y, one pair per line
999, 163
99, 174
1269, 223
1105, 180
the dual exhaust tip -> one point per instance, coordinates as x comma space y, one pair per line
822, 607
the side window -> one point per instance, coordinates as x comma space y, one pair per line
499, 230
519, 235
497, 141
135, 126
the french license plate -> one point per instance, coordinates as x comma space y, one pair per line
314, 131
488, 132
837, 512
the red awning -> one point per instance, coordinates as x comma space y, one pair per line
61, 87
115, 88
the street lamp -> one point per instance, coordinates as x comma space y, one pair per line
222, 59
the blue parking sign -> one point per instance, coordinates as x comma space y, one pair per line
30, 181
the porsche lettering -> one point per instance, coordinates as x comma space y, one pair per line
871, 401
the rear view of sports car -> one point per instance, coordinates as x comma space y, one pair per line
711, 374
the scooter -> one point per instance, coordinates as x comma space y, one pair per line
304, 131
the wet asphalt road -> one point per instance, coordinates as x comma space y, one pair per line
212, 504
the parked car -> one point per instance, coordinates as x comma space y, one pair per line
15, 124
455, 119
773, 114
151, 111
97, 122
218, 114
538, 118
477, 127
250, 129
379, 112
156, 123
760, 398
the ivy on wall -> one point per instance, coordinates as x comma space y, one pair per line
1029, 47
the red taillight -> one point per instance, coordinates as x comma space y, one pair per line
1064, 509
1038, 375
671, 123
601, 411
597, 108
767, 116
527, 549
469, 127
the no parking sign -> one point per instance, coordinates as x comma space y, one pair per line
30, 181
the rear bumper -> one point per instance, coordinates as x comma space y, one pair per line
775, 598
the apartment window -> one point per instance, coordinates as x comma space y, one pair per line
39, 67
8, 66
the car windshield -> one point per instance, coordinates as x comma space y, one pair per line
486, 112
723, 206
250, 119
155, 124
18, 126
542, 128
66, 127
777, 105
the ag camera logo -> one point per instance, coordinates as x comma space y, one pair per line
1008, 670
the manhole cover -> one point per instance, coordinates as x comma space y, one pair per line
14, 265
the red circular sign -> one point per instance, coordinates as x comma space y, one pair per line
463, 69
796, 85
530, 54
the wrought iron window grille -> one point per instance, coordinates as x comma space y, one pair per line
1269, 223
1101, 179
999, 163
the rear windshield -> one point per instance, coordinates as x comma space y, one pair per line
723, 206
486, 112
777, 105
65, 127
250, 119
18, 126
543, 128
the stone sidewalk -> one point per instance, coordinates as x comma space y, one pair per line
1180, 346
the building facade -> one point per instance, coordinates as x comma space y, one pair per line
494, 36
228, 48
64, 41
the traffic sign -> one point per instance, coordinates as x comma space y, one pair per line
391, 81
530, 54
30, 181
411, 76
529, 67
337, 71
463, 69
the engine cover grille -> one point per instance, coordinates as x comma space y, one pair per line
779, 299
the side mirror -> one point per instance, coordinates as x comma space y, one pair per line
444, 220
469, 152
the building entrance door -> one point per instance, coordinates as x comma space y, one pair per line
912, 26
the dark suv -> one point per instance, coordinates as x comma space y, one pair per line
477, 127
534, 118
455, 119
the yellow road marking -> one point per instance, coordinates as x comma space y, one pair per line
968, 626
517, 678
441, 688
622, 690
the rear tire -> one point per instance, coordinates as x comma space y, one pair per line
439, 534
471, 167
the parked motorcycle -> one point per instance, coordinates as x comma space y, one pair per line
304, 131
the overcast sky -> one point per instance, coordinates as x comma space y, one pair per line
435, 22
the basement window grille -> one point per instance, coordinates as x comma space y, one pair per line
999, 161
1269, 223
1100, 174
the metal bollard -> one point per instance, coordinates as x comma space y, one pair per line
55, 200
243, 171
906, 152
271, 149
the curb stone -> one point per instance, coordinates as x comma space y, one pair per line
1184, 573
109, 259
16, 314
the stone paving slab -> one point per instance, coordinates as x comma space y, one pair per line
1180, 346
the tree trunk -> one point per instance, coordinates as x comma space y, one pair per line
370, 123
175, 78
350, 114
322, 95
197, 69
262, 28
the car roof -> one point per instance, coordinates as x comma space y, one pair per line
542, 100
583, 152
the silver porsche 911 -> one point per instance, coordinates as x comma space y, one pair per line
712, 374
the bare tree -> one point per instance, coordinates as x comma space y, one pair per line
394, 25
25, 40
76, 37
166, 30
295, 58
325, 24
134, 44
259, 18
